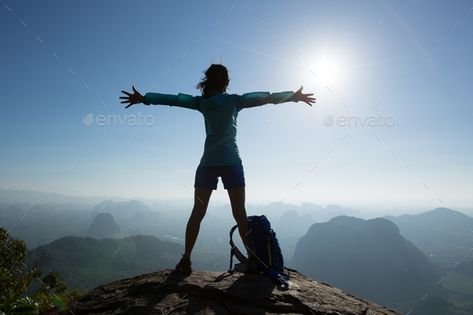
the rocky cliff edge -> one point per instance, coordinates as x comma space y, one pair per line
205, 292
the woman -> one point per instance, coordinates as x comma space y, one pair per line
220, 157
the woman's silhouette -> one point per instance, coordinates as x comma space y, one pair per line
220, 157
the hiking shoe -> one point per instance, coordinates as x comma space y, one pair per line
183, 267
252, 264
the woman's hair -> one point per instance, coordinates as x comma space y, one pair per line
215, 81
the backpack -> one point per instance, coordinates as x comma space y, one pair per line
263, 242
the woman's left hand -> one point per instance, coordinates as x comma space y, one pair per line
132, 99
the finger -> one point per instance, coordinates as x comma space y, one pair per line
134, 90
124, 102
124, 97
128, 106
129, 94
300, 89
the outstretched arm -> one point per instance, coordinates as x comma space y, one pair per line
260, 98
181, 100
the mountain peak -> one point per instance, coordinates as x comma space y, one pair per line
103, 226
367, 257
442, 210
205, 292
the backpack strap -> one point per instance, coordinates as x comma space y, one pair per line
234, 250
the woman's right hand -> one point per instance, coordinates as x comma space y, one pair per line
304, 97
132, 99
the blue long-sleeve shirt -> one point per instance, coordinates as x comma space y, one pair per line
220, 113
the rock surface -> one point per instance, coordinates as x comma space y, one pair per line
206, 292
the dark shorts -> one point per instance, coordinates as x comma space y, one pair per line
207, 176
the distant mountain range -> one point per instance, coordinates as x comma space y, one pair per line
368, 258
317, 213
8, 195
41, 197
445, 235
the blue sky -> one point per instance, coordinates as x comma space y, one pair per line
391, 127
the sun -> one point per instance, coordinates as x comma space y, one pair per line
329, 69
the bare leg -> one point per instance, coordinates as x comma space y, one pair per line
237, 200
201, 201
